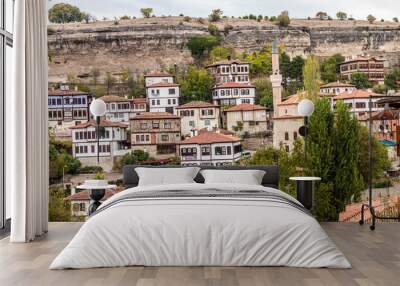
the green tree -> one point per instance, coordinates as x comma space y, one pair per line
219, 53
261, 62
59, 209
348, 181
360, 80
215, 15
125, 17
380, 159
371, 19
311, 77
213, 30
292, 72
199, 45
238, 127
321, 15
146, 12
264, 91
330, 68
392, 79
320, 157
134, 157
109, 81
95, 74
283, 19
196, 84
395, 19
65, 13
341, 15
136, 87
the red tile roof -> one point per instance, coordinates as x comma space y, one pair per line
362, 58
282, 117
59, 92
233, 85
158, 74
227, 62
357, 93
337, 84
103, 123
155, 115
139, 100
197, 104
292, 99
215, 129
114, 98
245, 107
209, 137
84, 195
163, 84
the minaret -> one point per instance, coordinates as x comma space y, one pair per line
276, 80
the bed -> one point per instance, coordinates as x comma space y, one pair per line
201, 224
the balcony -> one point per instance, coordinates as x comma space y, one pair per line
375, 257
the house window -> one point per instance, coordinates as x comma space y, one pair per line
171, 91
143, 125
229, 150
158, 102
286, 136
191, 123
169, 101
167, 125
164, 137
156, 125
360, 105
295, 135
237, 149
207, 122
220, 150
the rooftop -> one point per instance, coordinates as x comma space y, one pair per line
70, 92
103, 123
163, 84
139, 100
246, 107
158, 74
233, 85
292, 99
208, 137
197, 104
357, 93
155, 115
114, 98
363, 58
227, 62
337, 84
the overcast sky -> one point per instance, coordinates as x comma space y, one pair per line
359, 9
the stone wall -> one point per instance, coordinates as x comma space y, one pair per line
150, 44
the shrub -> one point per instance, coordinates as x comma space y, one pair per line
198, 45
90, 169
215, 15
146, 12
371, 18
283, 19
213, 30
187, 19
227, 29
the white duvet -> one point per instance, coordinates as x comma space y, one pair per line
202, 232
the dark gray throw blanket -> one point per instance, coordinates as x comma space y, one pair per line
206, 194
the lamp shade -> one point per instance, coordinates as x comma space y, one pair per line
305, 107
98, 107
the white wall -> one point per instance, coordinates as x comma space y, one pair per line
198, 121
159, 98
153, 80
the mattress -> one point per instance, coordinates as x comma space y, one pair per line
201, 225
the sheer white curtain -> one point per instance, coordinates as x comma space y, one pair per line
26, 121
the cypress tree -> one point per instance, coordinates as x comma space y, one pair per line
320, 157
347, 179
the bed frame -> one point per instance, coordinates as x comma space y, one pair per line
270, 179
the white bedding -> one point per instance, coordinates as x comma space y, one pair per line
200, 231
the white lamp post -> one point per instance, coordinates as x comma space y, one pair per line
98, 108
305, 109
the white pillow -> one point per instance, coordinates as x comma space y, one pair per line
248, 177
166, 176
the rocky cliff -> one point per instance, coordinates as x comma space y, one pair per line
150, 44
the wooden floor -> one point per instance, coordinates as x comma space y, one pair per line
375, 257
